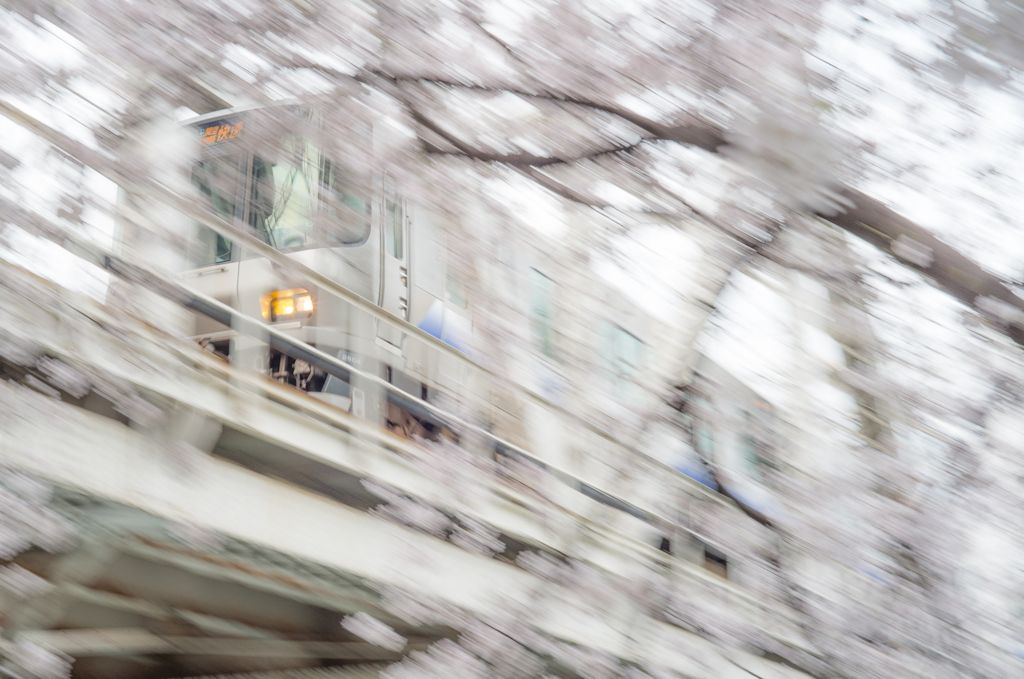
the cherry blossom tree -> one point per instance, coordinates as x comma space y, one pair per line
716, 112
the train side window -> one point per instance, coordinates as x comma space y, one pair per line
394, 233
748, 444
703, 433
750, 455
705, 441
542, 312
716, 562
454, 290
625, 353
348, 213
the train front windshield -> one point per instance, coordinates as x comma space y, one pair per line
301, 199
296, 200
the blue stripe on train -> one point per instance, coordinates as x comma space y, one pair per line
699, 474
433, 323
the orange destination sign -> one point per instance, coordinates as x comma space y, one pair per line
222, 130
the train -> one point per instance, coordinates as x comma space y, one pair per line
366, 236
372, 241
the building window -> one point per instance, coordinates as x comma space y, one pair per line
542, 312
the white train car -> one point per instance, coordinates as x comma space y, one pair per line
366, 237
584, 379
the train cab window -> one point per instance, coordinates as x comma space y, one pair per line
301, 200
210, 248
219, 177
542, 312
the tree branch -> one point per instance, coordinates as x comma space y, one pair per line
951, 270
559, 188
868, 218
702, 134
521, 160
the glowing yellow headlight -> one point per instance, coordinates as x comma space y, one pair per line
281, 305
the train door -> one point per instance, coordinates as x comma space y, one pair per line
394, 270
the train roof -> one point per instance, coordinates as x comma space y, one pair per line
236, 110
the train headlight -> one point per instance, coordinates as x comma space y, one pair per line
287, 305
282, 307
